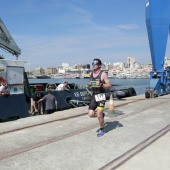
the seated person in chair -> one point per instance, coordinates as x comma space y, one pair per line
4, 89
37, 107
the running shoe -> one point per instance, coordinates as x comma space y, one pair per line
101, 133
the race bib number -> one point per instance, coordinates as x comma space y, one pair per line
100, 97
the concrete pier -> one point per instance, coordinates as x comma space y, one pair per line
136, 138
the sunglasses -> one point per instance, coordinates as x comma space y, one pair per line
95, 63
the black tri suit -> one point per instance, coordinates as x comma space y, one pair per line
97, 100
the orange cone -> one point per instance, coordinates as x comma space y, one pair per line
111, 108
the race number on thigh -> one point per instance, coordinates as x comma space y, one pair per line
100, 97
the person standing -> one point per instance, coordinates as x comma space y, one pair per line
99, 81
50, 102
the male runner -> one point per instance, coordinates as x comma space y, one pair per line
99, 82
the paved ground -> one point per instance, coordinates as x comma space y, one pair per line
70, 144
154, 157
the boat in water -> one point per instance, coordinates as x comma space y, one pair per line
78, 94
31, 77
16, 103
43, 76
13, 72
56, 76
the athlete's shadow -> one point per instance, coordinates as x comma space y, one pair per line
108, 126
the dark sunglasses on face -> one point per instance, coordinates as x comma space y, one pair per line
95, 63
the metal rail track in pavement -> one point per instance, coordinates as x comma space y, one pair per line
114, 164
118, 161
82, 114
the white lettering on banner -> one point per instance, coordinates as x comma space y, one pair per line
83, 93
76, 94
100, 97
86, 98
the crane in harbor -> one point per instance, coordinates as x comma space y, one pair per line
7, 42
158, 27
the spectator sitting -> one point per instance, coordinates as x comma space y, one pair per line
4, 89
37, 107
63, 86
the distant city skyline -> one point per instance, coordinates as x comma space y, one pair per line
130, 69
76, 31
64, 64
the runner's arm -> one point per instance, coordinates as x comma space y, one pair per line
105, 81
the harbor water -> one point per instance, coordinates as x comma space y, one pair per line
139, 85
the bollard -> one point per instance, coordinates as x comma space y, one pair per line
111, 108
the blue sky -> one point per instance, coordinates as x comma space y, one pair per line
52, 32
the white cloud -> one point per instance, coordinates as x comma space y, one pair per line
128, 27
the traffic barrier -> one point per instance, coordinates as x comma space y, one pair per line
111, 108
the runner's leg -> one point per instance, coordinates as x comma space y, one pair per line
92, 114
92, 108
100, 116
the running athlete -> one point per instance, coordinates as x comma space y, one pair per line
99, 82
